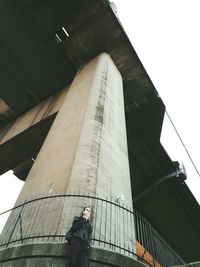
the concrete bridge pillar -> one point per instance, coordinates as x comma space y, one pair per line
83, 161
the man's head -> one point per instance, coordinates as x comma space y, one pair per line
86, 213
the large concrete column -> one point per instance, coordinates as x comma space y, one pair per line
85, 152
86, 147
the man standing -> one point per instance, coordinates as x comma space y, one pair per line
79, 237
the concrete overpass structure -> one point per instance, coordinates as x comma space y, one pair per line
70, 79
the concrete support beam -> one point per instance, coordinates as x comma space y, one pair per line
85, 151
23, 137
43, 110
86, 147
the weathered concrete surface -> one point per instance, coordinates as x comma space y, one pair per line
85, 150
86, 147
58, 254
41, 111
25, 135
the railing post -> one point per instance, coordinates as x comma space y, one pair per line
20, 222
19, 216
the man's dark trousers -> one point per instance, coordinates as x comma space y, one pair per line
80, 253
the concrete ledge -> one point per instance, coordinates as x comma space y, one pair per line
57, 254
194, 264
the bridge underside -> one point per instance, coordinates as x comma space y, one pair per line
43, 45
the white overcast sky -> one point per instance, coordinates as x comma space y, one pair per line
165, 35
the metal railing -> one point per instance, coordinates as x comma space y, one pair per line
116, 227
152, 245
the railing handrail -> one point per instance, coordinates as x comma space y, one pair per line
133, 212
66, 195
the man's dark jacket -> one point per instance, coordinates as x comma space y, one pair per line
81, 229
